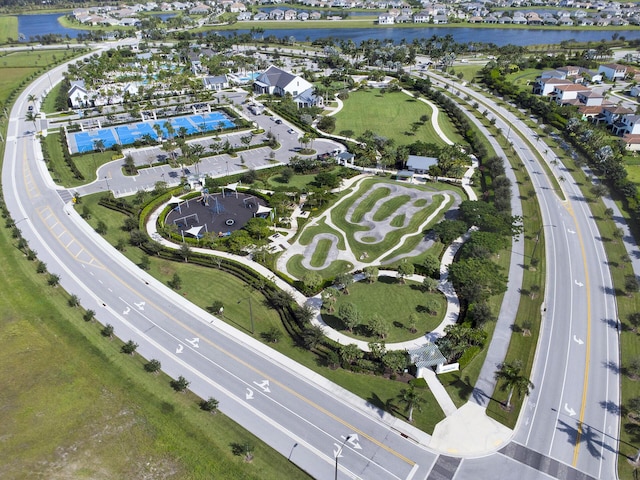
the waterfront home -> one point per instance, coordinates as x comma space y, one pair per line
422, 17
386, 19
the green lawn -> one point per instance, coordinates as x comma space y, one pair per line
8, 28
373, 250
87, 163
468, 71
392, 301
524, 78
390, 115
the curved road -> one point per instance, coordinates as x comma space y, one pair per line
567, 422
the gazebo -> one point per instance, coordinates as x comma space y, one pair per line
427, 356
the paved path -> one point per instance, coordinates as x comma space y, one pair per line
434, 117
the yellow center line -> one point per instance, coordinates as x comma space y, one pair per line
585, 382
271, 379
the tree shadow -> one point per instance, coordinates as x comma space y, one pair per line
380, 405
589, 436
611, 407
613, 366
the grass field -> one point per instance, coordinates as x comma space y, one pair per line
523, 78
87, 163
391, 115
392, 301
468, 71
8, 28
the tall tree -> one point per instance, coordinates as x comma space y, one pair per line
412, 400
512, 380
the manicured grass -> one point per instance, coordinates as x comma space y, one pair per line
390, 115
392, 301
306, 237
48, 106
338, 215
389, 207
320, 253
34, 58
8, 28
367, 204
87, 163
468, 71
295, 268
524, 77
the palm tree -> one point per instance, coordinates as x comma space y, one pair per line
513, 380
412, 399
31, 117
32, 98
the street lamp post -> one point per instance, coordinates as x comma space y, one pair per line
338, 454
106, 179
250, 312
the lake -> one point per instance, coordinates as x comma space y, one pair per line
32, 25
42, 24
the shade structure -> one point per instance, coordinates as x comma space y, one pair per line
194, 231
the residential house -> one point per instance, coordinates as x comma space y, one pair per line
590, 98
627, 124
421, 17
386, 19
567, 94
631, 142
544, 86
290, 15
237, 7
613, 71
612, 113
440, 19
275, 81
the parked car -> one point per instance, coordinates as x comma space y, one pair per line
279, 122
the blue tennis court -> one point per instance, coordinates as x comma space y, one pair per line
212, 121
85, 141
128, 134
183, 122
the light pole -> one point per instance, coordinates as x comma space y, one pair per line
338, 454
106, 179
250, 312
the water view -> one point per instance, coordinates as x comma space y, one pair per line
31, 25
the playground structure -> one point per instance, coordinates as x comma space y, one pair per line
216, 213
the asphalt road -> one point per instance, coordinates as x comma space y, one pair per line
569, 421
305, 418
572, 415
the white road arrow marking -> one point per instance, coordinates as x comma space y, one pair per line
249, 394
577, 340
126, 312
194, 342
571, 231
139, 305
354, 441
180, 348
570, 411
579, 284
264, 385
337, 453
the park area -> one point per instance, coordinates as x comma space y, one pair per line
405, 308
375, 222
393, 115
